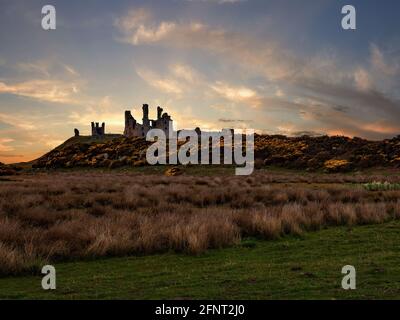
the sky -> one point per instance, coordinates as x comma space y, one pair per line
279, 67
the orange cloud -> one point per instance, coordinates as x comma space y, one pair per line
4, 147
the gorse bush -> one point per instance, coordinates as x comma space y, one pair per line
335, 165
63, 216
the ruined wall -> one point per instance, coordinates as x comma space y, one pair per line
135, 129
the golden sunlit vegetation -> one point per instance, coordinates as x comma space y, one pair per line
336, 165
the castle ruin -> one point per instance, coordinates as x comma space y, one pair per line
97, 131
132, 127
135, 129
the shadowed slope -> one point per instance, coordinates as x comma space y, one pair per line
331, 154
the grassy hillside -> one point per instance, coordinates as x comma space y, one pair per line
87, 139
293, 268
330, 154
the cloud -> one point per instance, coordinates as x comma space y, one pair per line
133, 20
363, 80
40, 67
138, 28
44, 90
236, 94
379, 63
104, 109
185, 72
47, 68
320, 116
162, 83
279, 93
362, 101
343, 109
133, 24
183, 80
180, 79
44, 80
17, 121
71, 70
357, 98
233, 120
36, 132
4, 147
2, 155
32, 135
267, 57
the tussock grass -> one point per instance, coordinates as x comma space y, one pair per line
65, 216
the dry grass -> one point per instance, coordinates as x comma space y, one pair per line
63, 216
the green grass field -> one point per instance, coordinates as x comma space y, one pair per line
290, 268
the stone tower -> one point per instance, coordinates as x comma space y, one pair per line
98, 131
159, 112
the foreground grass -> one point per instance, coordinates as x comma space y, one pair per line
70, 216
291, 268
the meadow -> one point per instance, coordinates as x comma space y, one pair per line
53, 217
292, 267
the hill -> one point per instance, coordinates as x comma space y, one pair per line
331, 154
8, 170
111, 151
